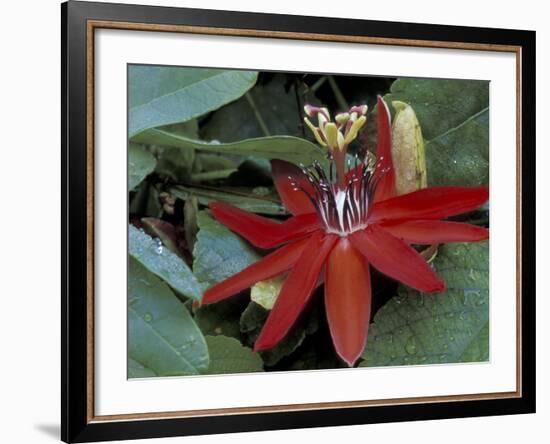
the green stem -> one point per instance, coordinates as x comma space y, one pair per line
318, 84
257, 114
340, 99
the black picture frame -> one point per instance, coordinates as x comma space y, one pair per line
77, 425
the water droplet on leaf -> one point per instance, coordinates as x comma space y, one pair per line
480, 301
410, 346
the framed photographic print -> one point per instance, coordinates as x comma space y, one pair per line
277, 221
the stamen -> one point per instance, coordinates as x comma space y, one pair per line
342, 210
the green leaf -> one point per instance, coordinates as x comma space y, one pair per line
162, 262
137, 370
244, 199
213, 175
214, 162
462, 154
227, 355
454, 116
141, 163
219, 253
212, 167
190, 210
160, 95
222, 318
153, 206
190, 128
162, 336
291, 149
268, 107
175, 163
417, 328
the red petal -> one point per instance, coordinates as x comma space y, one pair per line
396, 259
284, 175
348, 300
435, 231
430, 203
260, 231
386, 186
296, 290
271, 265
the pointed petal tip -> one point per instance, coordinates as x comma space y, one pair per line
480, 234
350, 360
483, 194
440, 287
260, 345
348, 298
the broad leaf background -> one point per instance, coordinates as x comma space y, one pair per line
202, 135
417, 328
163, 339
163, 95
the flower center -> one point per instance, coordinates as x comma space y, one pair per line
342, 210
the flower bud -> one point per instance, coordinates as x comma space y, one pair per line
409, 159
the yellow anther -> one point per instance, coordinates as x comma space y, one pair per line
315, 132
354, 129
331, 134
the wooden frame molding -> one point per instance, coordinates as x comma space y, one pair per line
97, 24
80, 21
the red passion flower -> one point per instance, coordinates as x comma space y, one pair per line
344, 218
